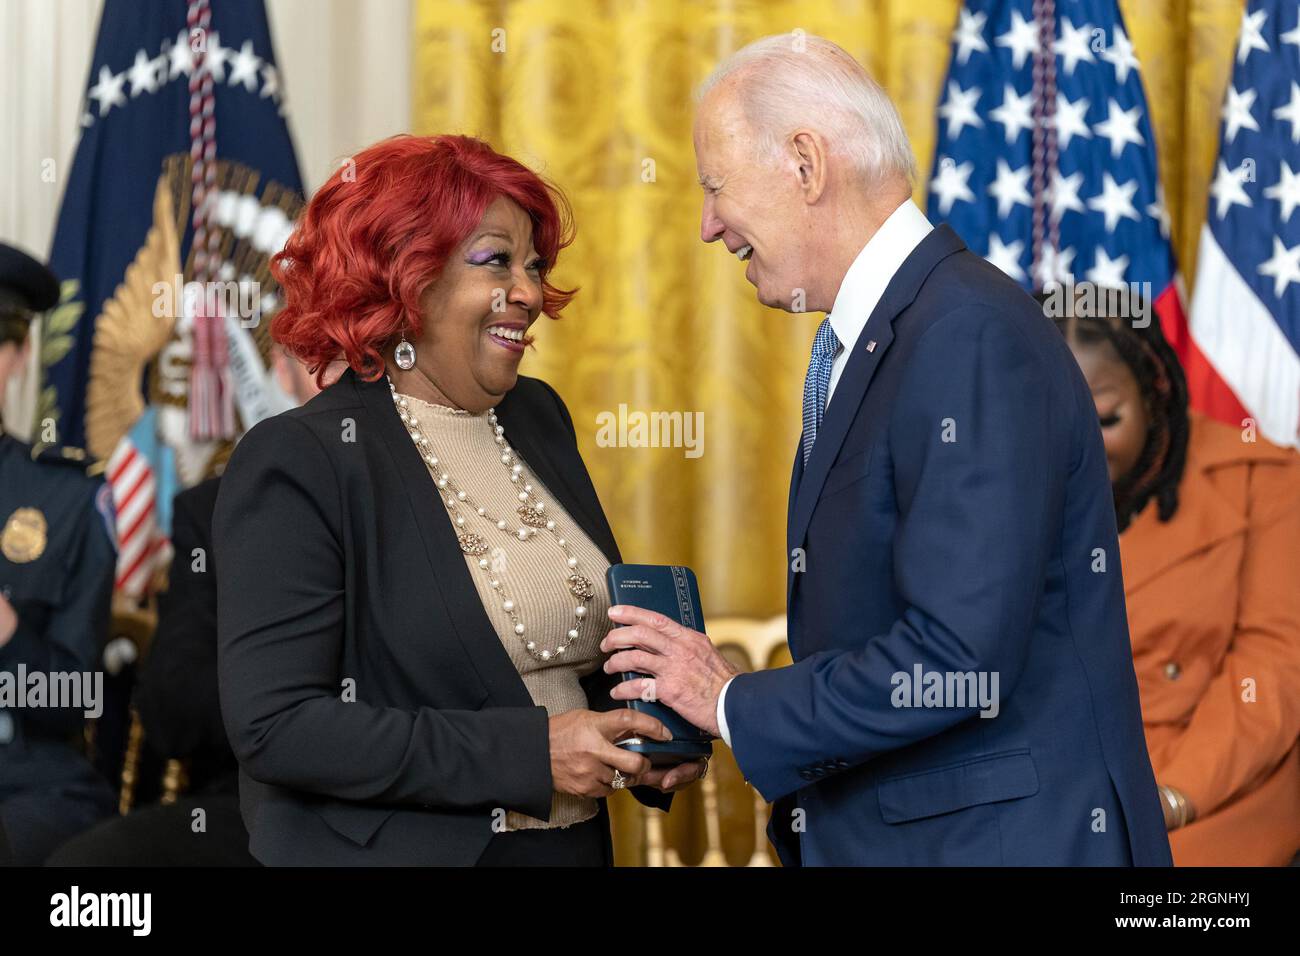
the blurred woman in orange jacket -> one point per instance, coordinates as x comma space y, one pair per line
1210, 546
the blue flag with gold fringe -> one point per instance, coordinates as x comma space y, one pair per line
183, 185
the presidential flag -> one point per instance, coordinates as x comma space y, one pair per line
1246, 308
1045, 161
184, 183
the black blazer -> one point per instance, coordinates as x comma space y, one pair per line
375, 715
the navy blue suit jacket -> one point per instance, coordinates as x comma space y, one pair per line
955, 517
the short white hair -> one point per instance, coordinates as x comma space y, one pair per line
794, 80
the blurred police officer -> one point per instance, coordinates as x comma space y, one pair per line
57, 559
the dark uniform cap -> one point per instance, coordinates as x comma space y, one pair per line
26, 286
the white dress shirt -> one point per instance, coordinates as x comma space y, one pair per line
859, 294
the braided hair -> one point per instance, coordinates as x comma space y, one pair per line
1147, 354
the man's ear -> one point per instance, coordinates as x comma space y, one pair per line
810, 156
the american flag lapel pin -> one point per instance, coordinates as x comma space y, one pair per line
871, 345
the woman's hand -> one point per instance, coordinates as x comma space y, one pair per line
583, 755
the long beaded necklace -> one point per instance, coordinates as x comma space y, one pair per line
532, 517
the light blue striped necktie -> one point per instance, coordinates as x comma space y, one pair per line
815, 386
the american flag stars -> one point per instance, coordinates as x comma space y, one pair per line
1256, 189
1100, 188
175, 59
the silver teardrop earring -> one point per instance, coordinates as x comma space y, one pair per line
404, 355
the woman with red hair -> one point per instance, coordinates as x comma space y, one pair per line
411, 566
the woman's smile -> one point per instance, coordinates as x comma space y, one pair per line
511, 336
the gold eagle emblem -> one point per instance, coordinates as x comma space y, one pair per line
128, 333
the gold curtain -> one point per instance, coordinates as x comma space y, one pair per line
596, 95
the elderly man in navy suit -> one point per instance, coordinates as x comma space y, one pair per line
962, 690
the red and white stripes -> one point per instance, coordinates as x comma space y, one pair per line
139, 539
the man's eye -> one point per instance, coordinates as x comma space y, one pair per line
1109, 421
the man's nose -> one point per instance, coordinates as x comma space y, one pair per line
711, 227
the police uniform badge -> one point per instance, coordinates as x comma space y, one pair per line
24, 536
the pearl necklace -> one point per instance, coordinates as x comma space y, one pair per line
532, 515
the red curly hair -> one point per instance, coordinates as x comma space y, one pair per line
378, 233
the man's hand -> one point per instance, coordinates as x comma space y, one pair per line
686, 671
8, 621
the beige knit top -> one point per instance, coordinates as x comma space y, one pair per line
532, 573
